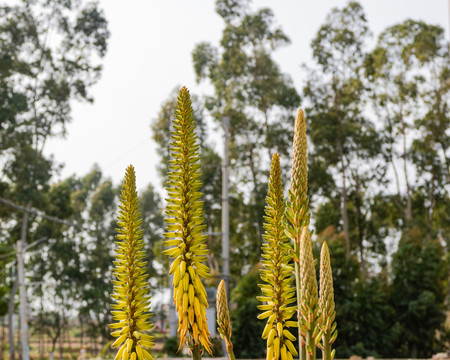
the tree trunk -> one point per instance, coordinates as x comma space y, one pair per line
405, 169
19, 344
344, 212
61, 334
359, 221
2, 341
266, 126
21, 280
432, 199
11, 319
41, 328
414, 351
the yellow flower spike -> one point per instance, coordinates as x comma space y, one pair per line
326, 322
278, 291
223, 318
185, 224
297, 211
309, 295
130, 289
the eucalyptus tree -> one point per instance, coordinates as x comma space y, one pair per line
430, 152
345, 143
51, 54
409, 72
251, 90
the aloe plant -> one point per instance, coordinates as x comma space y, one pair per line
309, 298
326, 323
278, 291
131, 300
223, 318
297, 212
185, 224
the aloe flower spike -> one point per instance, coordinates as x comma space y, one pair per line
132, 302
297, 212
327, 325
277, 291
223, 318
185, 224
309, 305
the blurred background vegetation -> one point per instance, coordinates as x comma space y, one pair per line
379, 174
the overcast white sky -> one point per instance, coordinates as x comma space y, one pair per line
150, 53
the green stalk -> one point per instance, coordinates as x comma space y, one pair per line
326, 351
301, 344
196, 352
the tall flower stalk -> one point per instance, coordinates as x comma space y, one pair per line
297, 212
223, 318
309, 302
185, 224
131, 300
278, 291
326, 323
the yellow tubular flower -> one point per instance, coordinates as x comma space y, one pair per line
132, 301
277, 291
309, 306
327, 325
223, 318
184, 229
297, 212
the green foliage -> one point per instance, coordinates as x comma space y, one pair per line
171, 346
407, 68
39, 77
345, 143
50, 55
418, 292
244, 312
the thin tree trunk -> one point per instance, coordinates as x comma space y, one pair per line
41, 328
344, 212
11, 319
447, 165
2, 341
255, 186
405, 169
360, 230
433, 199
414, 351
266, 125
19, 343
61, 334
